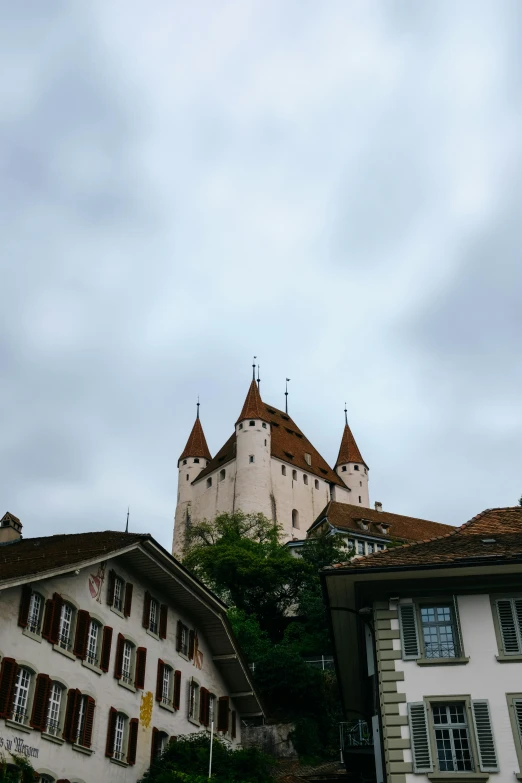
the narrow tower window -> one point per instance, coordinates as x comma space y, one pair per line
209, 482
222, 475
184, 461
343, 468
356, 467
197, 459
283, 470
187, 477
295, 518
294, 475
360, 501
251, 458
240, 426
264, 425
305, 478
316, 484
251, 424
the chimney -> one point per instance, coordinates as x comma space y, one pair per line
378, 506
10, 529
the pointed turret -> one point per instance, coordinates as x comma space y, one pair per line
196, 444
351, 467
253, 407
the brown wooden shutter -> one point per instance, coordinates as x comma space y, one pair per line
8, 673
55, 622
83, 622
128, 599
110, 587
141, 662
111, 731
146, 609
179, 629
191, 645
40, 702
133, 741
233, 731
86, 739
159, 680
25, 601
72, 715
154, 744
118, 661
164, 610
222, 721
177, 690
48, 619
105, 656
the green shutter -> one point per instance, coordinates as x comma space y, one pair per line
419, 736
459, 646
508, 622
517, 707
484, 734
409, 632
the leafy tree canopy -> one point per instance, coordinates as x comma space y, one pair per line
187, 759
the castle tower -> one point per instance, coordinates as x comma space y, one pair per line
353, 470
253, 491
193, 460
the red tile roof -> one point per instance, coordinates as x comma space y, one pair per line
253, 407
288, 443
346, 516
196, 444
493, 535
349, 451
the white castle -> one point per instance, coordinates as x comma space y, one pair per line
267, 465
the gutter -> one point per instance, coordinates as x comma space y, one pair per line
330, 571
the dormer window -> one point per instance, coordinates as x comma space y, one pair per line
383, 528
362, 524
251, 424
308, 459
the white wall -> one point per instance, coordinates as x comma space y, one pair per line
483, 677
290, 494
357, 481
61, 759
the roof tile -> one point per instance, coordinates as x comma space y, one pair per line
196, 444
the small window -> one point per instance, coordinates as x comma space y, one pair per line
294, 475
222, 474
308, 459
65, 630
22, 691
187, 478
283, 470
182, 639
34, 618
356, 467
360, 548
119, 586
209, 482
197, 460
265, 441
295, 519
54, 716
251, 458
127, 662
438, 632
193, 701
305, 478
120, 732
251, 424
166, 685
264, 425
371, 548
360, 500
154, 616
360, 483
343, 468
93, 643
316, 484
240, 426
184, 461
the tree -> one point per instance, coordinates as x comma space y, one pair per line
520, 501
186, 761
16, 770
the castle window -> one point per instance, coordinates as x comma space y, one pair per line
264, 425
209, 482
265, 441
316, 484
240, 426
251, 458
222, 475
343, 468
305, 478
295, 518
187, 477
196, 460
360, 483
308, 459
360, 501
251, 424
294, 475
356, 467
283, 470
184, 461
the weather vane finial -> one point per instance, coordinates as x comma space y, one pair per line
254, 368
127, 525
258, 378
286, 395
345, 414
198, 407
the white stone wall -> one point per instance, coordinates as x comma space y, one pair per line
253, 480
483, 677
291, 493
356, 478
219, 497
62, 760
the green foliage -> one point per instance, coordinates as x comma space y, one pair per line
16, 770
520, 501
191, 752
277, 615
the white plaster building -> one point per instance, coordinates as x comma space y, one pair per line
428, 647
267, 465
108, 648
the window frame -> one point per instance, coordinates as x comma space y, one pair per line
426, 602
57, 731
194, 694
28, 631
23, 666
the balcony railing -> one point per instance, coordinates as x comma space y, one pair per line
355, 734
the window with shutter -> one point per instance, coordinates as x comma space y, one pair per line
515, 714
111, 730
54, 709
421, 751
509, 613
85, 735
191, 645
34, 619
72, 715
146, 609
159, 680
83, 622
25, 602
179, 626
409, 631
48, 619
203, 706
8, 672
141, 662
40, 702
163, 621
154, 744
128, 599
110, 587
105, 656
177, 690
118, 661
132, 743
484, 735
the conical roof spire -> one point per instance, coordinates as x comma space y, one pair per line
253, 407
196, 444
349, 451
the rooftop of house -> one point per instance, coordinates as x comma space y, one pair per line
495, 535
346, 516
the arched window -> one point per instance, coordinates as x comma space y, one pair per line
283, 470
305, 478
22, 693
295, 518
160, 740
222, 474
294, 475
209, 482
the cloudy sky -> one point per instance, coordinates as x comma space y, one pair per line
335, 187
